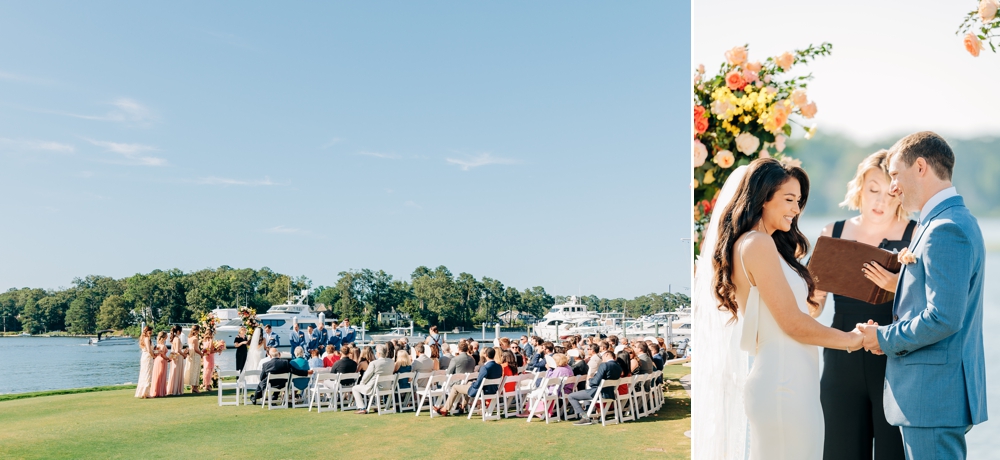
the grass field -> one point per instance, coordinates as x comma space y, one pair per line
113, 424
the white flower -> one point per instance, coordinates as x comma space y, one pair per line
700, 153
792, 162
811, 131
779, 143
719, 107
988, 10
747, 143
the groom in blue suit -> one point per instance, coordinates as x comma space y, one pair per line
935, 379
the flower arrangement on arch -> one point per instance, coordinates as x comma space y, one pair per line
249, 317
208, 322
742, 113
979, 26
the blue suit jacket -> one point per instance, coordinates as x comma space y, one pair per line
490, 370
297, 339
936, 371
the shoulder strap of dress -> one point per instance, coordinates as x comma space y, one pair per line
838, 228
743, 243
908, 234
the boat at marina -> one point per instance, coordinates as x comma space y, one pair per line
280, 317
563, 317
103, 339
398, 333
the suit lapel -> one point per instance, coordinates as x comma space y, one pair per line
924, 225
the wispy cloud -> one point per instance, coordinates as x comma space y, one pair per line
131, 152
389, 156
332, 142
125, 110
35, 145
213, 180
285, 230
412, 204
482, 159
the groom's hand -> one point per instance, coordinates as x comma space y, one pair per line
870, 341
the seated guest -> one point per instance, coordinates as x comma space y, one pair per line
403, 365
654, 350
331, 356
422, 363
608, 370
560, 369
504, 343
365, 358
276, 365
508, 362
490, 370
515, 349
268, 355
404, 344
390, 350
578, 365
441, 360
346, 364
300, 363
462, 363
593, 359
367, 386
315, 362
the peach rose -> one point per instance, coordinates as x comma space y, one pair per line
747, 143
737, 55
764, 153
700, 153
972, 44
906, 257
785, 61
799, 97
701, 68
809, 110
749, 76
734, 81
724, 158
988, 10
754, 66
781, 112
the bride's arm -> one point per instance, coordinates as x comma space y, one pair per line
764, 264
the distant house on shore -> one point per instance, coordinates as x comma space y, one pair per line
510, 317
393, 318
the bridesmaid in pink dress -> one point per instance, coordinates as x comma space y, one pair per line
146, 358
175, 385
208, 348
158, 383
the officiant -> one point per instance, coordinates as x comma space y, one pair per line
852, 383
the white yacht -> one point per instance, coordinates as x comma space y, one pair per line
398, 333
279, 317
105, 338
563, 317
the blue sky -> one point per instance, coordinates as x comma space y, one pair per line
538, 144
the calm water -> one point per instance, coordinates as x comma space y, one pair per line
79, 365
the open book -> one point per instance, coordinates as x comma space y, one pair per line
836, 267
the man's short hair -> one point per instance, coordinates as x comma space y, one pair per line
929, 146
491, 353
267, 326
595, 349
380, 350
299, 352
463, 346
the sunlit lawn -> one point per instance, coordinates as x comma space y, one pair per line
113, 424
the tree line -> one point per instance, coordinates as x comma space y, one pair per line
430, 296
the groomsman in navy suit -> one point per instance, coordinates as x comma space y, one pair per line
324, 339
297, 339
271, 338
312, 339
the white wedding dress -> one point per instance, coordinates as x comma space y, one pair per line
781, 394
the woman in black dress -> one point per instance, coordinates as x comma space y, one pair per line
240, 342
851, 385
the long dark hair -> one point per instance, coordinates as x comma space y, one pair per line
763, 178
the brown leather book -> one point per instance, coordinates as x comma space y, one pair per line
836, 267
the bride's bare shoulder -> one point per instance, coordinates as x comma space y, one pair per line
756, 244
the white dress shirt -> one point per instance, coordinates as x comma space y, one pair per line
935, 200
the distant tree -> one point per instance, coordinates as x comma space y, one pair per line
115, 313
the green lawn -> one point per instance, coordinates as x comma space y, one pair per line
113, 424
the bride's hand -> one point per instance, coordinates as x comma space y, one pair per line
856, 340
880, 276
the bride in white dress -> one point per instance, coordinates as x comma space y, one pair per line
763, 292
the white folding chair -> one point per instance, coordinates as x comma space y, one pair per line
603, 403
514, 381
434, 392
269, 392
626, 402
248, 383
344, 393
566, 407
405, 399
545, 397
385, 387
638, 390
488, 403
296, 396
232, 384
324, 387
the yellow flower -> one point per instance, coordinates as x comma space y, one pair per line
709, 177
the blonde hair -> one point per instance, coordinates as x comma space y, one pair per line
874, 162
560, 359
403, 358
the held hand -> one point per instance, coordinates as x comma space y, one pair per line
880, 276
870, 337
857, 340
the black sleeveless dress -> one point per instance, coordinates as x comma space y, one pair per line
852, 383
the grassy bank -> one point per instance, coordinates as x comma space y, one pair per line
113, 424
68, 391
